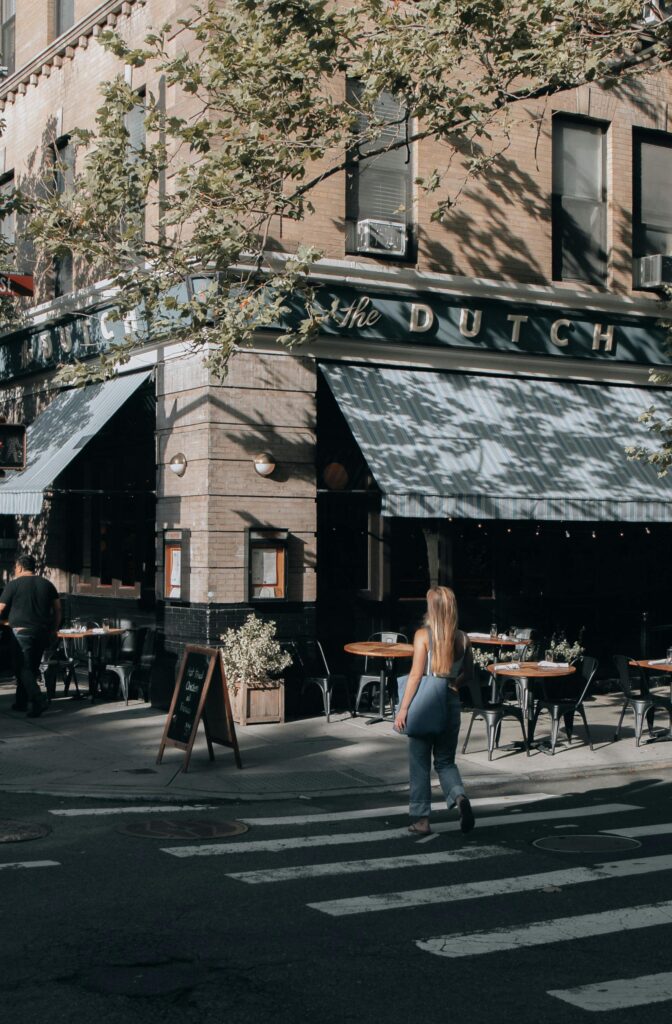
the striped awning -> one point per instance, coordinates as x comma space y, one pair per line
485, 447
59, 434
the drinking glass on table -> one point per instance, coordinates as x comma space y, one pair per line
493, 630
105, 623
549, 656
669, 656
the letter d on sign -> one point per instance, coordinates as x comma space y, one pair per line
422, 318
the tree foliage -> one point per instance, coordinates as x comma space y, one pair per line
261, 120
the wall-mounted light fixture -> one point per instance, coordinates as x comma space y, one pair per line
178, 464
264, 464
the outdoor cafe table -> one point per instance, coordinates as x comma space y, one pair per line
94, 652
485, 640
655, 665
531, 670
378, 649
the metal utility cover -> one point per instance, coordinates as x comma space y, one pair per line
163, 828
21, 831
586, 844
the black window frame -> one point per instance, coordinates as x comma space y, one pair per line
355, 161
562, 226
639, 136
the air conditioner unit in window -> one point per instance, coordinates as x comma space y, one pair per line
655, 11
383, 237
652, 272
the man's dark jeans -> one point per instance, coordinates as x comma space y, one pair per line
28, 646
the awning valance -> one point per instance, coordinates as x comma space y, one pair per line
486, 447
59, 434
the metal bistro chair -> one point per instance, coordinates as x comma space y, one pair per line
492, 714
313, 664
141, 673
643, 704
574, 690
124, 656
369, 678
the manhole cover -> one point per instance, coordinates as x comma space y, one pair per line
586, 844
21, 831
162, 828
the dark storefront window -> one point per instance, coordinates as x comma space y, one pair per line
579, 201
379, 190
652, 200
8, 40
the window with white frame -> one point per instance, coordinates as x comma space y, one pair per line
64, 174
579, 200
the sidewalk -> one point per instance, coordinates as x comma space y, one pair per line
108, 750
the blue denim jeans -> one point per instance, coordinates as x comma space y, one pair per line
443, 747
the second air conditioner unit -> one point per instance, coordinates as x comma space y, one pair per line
652, 272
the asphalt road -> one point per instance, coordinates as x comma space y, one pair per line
341, 919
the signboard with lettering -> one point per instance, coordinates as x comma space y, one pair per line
200, 694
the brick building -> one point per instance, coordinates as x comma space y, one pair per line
462, 417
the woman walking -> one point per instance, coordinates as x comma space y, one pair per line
442, 651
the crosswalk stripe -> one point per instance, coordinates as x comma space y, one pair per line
354, 838
642, 830
81, 812
15, 865
620, 994
390, 812
490, 887
539, 933
348, 867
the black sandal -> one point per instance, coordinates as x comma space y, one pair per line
415, 831
467, 821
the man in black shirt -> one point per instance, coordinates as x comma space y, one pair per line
33, 609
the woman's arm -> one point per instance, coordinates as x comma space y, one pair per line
420, 649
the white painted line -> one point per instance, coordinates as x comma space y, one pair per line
391, 812
490, 887
429, 838
348, 867
642, 830
540, 933
354, 838
81, 812
618, 995
30, 864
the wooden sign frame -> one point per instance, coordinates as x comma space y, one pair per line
213, 708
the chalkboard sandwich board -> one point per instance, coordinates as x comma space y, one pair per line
200, 693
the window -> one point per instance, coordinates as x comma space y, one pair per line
65, 15
135, 126
652, 199
379, 189
64, 173
8, 40
8, 222
579, 201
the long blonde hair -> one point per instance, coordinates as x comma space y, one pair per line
441, 618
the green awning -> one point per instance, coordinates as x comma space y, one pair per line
486, 447
58, 434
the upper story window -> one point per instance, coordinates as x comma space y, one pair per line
8, 222
65, 15
652, 198
379, 190
579, 201
8, 38
64, 173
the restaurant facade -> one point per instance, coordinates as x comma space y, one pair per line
461, 419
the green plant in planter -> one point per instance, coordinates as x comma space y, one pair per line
252, 653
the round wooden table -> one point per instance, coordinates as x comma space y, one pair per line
485, 640
531, 670
378, 649
655, 665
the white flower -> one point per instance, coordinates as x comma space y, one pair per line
252, 653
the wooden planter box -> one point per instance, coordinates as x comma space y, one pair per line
258, 703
